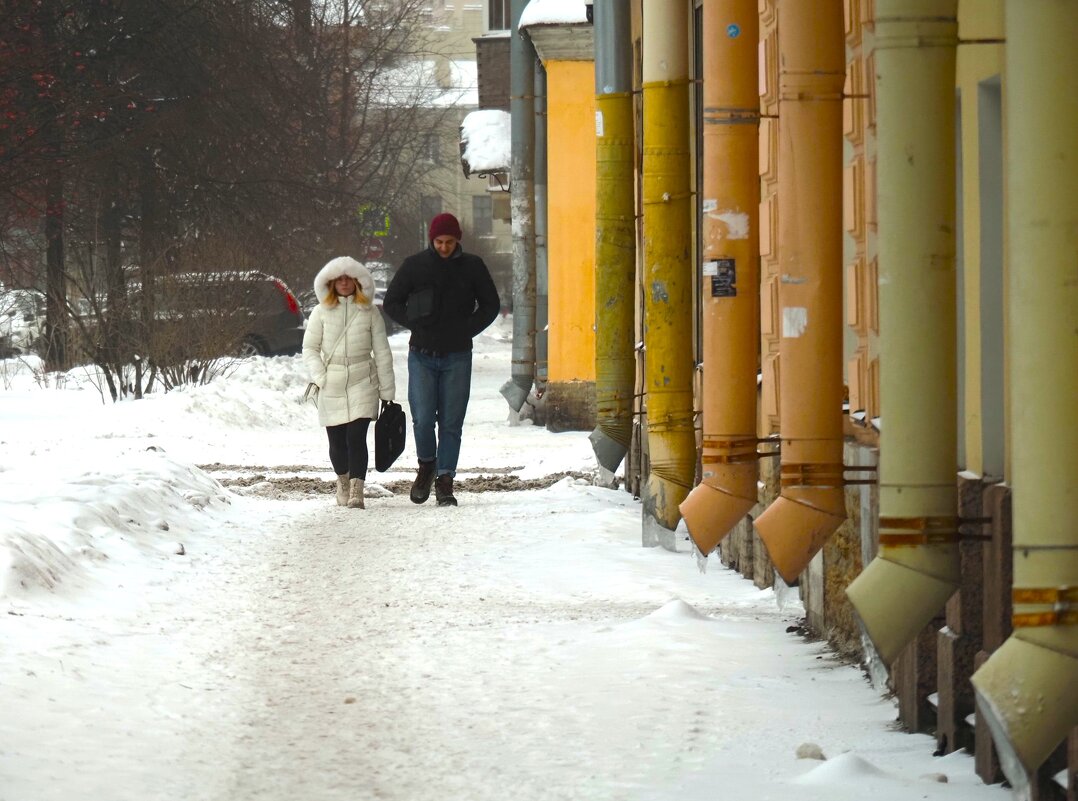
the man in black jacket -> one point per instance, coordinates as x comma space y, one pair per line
445, 297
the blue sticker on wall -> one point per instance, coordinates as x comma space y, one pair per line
733, 30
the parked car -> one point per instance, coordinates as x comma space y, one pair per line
201, 315
22, 321
244, 312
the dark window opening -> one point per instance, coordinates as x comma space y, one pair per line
498, 16
482, 216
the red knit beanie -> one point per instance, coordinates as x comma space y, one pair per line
444, 224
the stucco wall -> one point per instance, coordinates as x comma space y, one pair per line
977, 19
571, 215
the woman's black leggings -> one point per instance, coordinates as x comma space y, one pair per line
348, 447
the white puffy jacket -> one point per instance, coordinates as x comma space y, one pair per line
359, 371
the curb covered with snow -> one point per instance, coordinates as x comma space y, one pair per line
62, 517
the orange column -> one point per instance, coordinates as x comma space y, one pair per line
730, 290
811, 76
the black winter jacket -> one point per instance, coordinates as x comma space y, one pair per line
460, 297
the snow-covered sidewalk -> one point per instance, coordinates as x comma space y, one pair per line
521, 646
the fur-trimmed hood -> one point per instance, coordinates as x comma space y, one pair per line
343, 265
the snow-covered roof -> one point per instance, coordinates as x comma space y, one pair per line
428, 82
465, 81
553, 12
559, 29
485, 141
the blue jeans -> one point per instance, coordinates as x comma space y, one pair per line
438, 390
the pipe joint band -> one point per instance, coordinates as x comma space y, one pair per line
905, 531
811, 86
1063, 600
671, 84
809, 474
672, 422
741, 450
916, 33
736, 443
917, 41
731, 458
714, 115
795, 95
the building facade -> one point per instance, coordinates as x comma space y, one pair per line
905, 336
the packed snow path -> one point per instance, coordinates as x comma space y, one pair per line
520, 646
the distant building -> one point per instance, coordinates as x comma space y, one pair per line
480, 201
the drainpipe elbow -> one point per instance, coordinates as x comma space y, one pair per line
660, 501
795, 527
515, 391
608, 451
718, 504
1028, 696
894, 601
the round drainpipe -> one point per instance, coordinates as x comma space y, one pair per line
667, 201
917, 569
730, 289
542, 261
615, 234
811, 76
1027, 691
522, 203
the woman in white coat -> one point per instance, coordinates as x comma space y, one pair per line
346, 352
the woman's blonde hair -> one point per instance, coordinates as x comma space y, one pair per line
332, 299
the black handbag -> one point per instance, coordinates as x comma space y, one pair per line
390, 434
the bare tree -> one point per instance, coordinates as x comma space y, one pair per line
147, 139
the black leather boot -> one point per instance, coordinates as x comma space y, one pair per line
424, 477
443, 490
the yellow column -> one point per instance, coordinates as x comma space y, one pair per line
615, 274
730, 291
667, 269
917, 569
1028, 689
811, 76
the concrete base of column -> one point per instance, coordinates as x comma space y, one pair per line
985, 758
1044, 786
755, 555
1072, 766
728, 550
996, 624
914, 677
570, 405
960, 641
955, 657
736, 547
841, 565
763, 570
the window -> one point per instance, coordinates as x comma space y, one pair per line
431, 148
498, 15
430, 207
482, 219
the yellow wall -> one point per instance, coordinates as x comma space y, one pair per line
977, 19
571, 219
